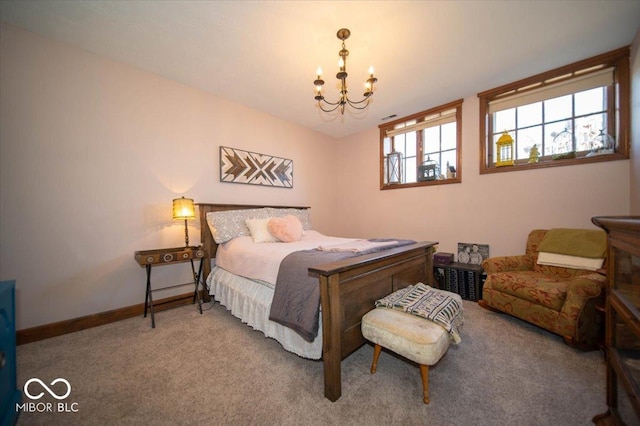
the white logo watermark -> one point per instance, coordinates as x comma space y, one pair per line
46, 407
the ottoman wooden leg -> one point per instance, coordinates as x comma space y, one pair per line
376, 355
424, 372
407, 335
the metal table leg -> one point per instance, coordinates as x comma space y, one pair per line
196, 279
148, 298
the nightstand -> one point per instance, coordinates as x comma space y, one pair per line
159, 257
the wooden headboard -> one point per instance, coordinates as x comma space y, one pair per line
208, 243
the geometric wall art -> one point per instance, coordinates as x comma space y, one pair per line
238, 166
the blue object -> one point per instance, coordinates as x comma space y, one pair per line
9, 393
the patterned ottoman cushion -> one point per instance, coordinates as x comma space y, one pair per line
415, 338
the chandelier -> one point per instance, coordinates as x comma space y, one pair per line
344, 99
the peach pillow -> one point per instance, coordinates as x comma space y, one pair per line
286, 228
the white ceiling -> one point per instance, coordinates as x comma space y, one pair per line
264, 54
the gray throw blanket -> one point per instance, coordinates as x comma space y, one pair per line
296, 299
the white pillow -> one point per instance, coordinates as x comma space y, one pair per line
259, 229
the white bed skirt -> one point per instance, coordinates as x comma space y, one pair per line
251, 302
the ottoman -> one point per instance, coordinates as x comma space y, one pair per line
410, 336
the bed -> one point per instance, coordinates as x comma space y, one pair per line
348, 289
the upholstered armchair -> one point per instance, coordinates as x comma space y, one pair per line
559, 299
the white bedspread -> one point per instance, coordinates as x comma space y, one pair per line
261, 261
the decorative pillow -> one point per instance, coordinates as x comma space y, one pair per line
260, 231
302, 214
229, 224
287, 228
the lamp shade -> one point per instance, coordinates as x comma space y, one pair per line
183, 208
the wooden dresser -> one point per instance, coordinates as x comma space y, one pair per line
622, 323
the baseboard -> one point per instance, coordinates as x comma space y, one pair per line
46, 331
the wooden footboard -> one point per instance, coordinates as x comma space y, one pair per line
349, 289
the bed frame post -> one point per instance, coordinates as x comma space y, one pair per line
331, 336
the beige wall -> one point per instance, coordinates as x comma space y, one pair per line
497, 209
93, 151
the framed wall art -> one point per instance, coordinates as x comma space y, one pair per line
238, 166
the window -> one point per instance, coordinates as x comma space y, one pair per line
571, 115
422, 149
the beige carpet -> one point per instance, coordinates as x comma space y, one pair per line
211, 369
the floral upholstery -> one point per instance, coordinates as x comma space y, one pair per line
560, 300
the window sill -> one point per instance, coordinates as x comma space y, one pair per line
525, 165
419, 184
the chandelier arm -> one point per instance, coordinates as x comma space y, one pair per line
355, 104
337, 105
329, 103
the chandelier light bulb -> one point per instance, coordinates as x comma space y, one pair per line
371, 70
319, 72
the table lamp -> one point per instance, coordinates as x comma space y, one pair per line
183, 208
